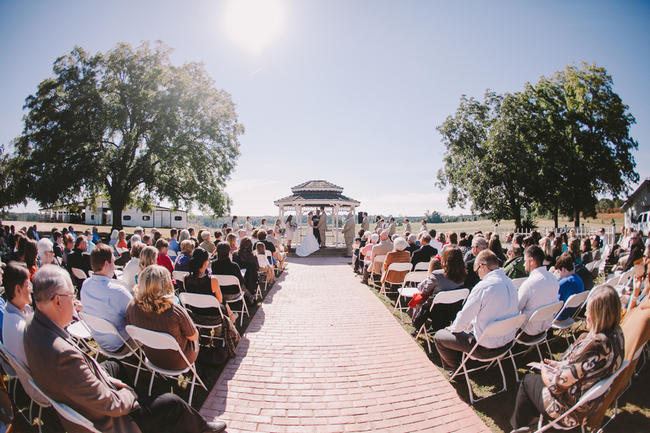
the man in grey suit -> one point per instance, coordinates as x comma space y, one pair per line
322, 226
365, 222
391, 227
348, 234
68, 375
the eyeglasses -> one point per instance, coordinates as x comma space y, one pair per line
73, 294
477, 267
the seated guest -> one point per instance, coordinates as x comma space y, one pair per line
112, 242
218, 234
412, 244
173, 243
242, 235
574, 249
106, 298
207, 243
148, 257
18, 291
183, 259
95, 235
262, 260
262, 237
493, 298
425, 252
245, 258
570, 282
232, 241
69, 376
594, 356
479, 243
163, 259
89, 236
46, 253
199, 281
79, 258
546, 245
121, 239
382, 248
515, 267
132, 268
153, 308
587, 256
449, 277
57, 244
495, 246
540, 289
225, 266
595, 248
398, 255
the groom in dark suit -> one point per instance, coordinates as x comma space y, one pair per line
315, 220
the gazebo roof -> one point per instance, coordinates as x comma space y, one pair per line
317, 192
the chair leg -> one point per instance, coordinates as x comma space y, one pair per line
40, 420
426, 336
192, 389
469, 385
539, 352
514, 365
153, 374
137, 374
503, 376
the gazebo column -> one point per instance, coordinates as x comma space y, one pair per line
299, 229
335, 222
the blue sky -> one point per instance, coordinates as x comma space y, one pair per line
348, 91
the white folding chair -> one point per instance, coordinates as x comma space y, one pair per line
79, 274
377, 263
444, 297
198, 300
180, 276
25, 378
498, 328
163, 341
518, 282
262, 263
396, 267
231, 280
81, 335
421, 266
68, 413
594, 392
544, 316
408, 289
98, 325
625, 281
574, 301
172, 254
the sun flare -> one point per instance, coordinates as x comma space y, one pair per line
254, 24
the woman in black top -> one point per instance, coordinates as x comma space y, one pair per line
225, 266
246, 260
198, 281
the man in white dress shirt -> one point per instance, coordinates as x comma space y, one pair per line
540, 289
493, 298
18, 290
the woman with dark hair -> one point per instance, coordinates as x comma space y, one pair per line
587, 257
450, 277
245, 258
495, 246
225, 266
27, 253
557, 248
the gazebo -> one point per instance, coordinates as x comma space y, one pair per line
314, 194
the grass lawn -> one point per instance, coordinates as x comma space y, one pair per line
495, 411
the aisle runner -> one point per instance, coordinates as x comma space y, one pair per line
323, 354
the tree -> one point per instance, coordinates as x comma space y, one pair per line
132, 126
9, 180
487, 160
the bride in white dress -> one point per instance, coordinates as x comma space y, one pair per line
309, 243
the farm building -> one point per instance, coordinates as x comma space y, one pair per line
637, 203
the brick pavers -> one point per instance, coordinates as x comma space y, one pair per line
323, 354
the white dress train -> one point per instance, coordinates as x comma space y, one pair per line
308, 245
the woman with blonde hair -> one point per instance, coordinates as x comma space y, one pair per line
182, 262
121, 239
153, 308
594, 356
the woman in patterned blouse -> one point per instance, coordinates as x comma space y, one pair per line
594, 356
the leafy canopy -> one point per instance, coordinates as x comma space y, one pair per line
130, 125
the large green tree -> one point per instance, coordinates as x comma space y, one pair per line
131, 125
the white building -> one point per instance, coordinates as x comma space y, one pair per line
637, 203
100, 214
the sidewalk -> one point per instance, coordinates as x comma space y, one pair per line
323, 354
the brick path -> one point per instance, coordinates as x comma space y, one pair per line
323, 354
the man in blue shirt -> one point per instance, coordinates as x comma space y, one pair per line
570, 282
173, 243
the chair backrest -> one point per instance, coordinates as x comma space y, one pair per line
421, 266
415, 277
503, 327
180, 275
25, 377
576, 301
98, 324
381, 258
450, 296
600, 387
262, 261
638, 353
68, 413
518, 282
79, 273
399, 267
172, 254
268, 253
227, 280
153, 339
199, 300
544, 315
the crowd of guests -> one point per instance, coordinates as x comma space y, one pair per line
132, 280
554, 267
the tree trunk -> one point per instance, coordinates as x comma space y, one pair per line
556, 217
516, 211
576, 219
117, 207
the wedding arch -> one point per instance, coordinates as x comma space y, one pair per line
314, 194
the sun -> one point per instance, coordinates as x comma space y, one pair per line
253, 24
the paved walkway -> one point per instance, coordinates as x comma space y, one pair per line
323, 354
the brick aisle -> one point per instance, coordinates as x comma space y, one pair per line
323, 354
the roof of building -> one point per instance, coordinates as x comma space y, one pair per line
317, 192
633, 197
